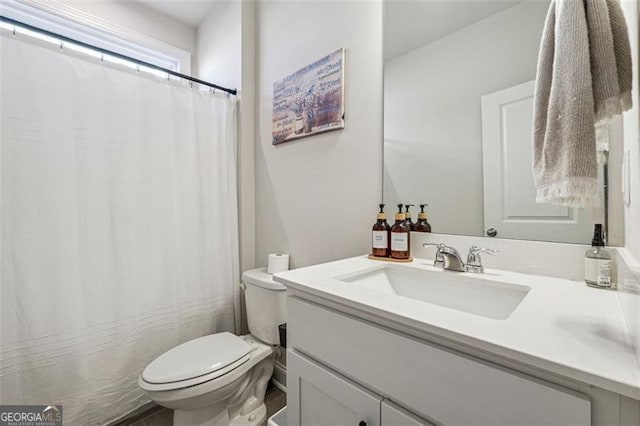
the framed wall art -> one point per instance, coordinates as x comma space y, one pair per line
311, 100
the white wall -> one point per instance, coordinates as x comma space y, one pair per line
629, 257
432, 114
226, 56
631, 139
219, 44
141, 19
316, 197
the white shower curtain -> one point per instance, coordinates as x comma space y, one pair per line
119, 227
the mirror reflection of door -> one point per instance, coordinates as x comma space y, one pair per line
442, 60
509, 194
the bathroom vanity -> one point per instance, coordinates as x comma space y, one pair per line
371, 343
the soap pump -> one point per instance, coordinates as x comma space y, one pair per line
400, 235
381, 230
407, 217
598, 262
422, 225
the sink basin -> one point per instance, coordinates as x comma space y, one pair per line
452, 290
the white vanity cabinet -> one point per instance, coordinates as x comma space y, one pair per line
392, 415
387, 370
317, 396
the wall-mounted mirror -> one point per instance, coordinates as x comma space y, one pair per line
458, 104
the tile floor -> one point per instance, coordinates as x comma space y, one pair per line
275, 399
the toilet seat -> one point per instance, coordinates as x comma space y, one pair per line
195, 362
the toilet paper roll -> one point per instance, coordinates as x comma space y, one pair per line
278, 262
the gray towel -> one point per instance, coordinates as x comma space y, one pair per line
583, 80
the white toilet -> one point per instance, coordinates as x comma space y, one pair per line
221, 379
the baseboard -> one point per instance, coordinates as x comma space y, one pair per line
139, 413
279, 378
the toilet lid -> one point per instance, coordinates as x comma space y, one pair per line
196, 358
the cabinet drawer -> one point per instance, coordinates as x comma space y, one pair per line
442, 385
319, 397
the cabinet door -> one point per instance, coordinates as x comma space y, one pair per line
319, 397
392, 415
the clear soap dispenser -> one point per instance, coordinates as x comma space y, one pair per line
598, 262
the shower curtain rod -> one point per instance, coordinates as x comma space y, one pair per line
117, 55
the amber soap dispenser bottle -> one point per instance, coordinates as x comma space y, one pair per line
407, 217
422, 225
400, 235
381, 229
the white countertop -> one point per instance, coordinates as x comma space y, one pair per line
561, 326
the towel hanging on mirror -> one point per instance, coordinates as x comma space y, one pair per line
583, 80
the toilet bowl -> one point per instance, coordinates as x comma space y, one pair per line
221, 379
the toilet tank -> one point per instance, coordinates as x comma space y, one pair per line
265, 301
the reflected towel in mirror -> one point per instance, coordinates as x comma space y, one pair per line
583, 80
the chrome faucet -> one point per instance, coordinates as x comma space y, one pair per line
447, 258
452, 259
474, 262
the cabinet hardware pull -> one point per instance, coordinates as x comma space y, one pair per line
362, 423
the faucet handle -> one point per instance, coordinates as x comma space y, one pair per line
474, 262
439, 245
476, 249
438, 262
